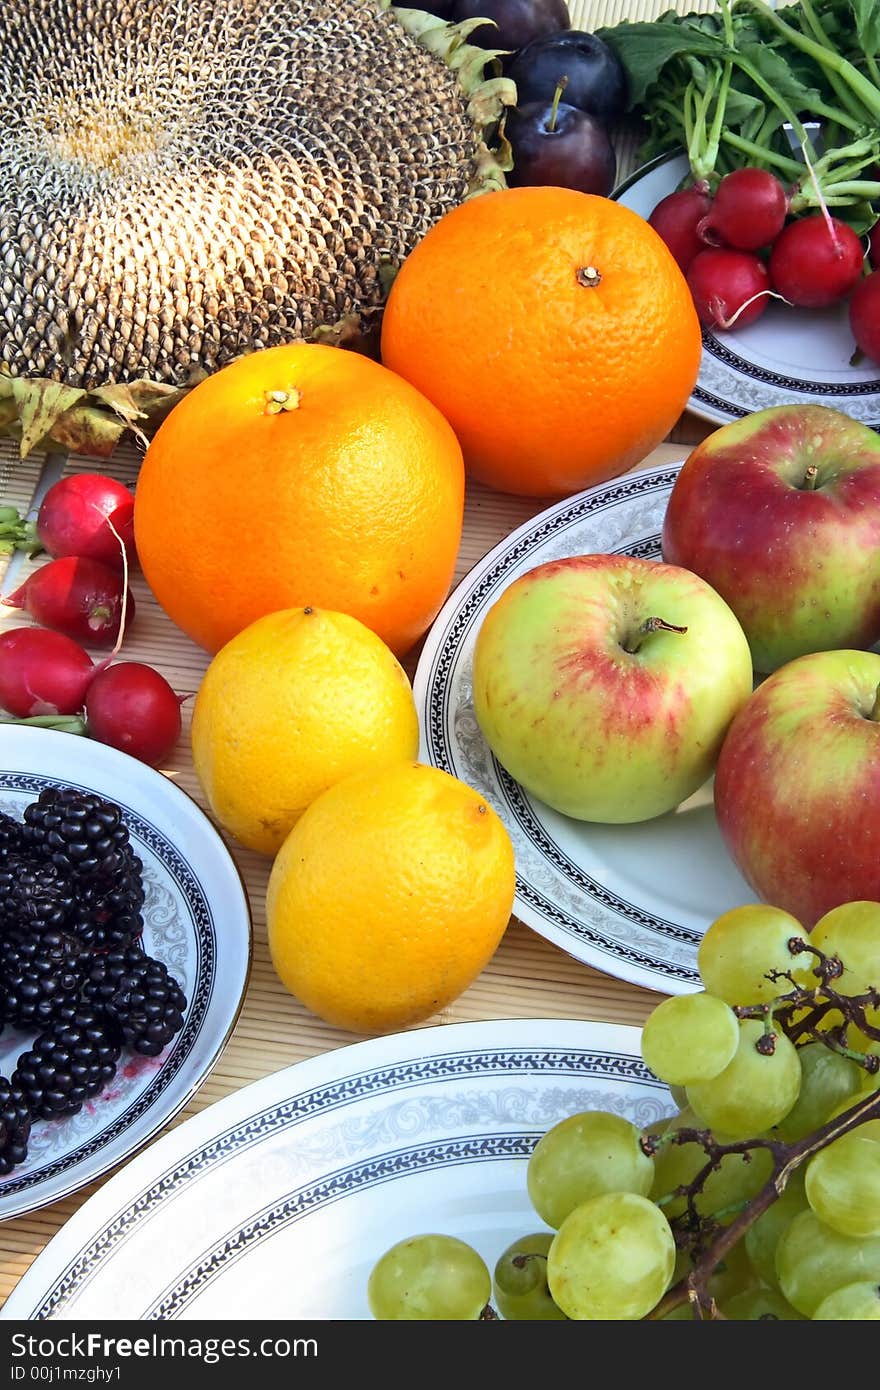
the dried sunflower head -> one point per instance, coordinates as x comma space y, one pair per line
182, 181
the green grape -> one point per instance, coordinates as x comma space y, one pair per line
843, 1184
827, 1079
611, 1259
732, 1275
682, 1313
869, 1129
763, 1236
852, 932
429, 1277
754, 1091
759, 1304
812, 1261
690, 1037
582, 1157
858, 1302
521, 1291
679, 1097
735, 1180
742, 946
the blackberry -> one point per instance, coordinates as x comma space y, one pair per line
35, 897
38, 976
10, 835
84, 837
108, 921
74, 1059
136, 994
15, 1126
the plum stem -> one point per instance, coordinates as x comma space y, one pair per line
557, 97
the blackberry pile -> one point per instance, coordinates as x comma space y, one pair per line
73, 969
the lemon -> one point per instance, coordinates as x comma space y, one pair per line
292, 703
389, 897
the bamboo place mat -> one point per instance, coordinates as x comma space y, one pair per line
528, 977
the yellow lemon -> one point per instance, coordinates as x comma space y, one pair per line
389, 897
291, 704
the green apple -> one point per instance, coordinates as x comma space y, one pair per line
604, 684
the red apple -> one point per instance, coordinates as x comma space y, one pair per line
780, 513
797, 786
605, 684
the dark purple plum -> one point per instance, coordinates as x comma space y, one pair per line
518, 21
442, 8
561, 145
596, 77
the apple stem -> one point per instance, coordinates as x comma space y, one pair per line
811, 478
649, 625
660, 625
875, 712
557, 96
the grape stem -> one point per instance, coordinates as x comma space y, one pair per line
787, 1158
797, 1013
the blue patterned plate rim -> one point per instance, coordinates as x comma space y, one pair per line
40, 757
84, 1247
658, 952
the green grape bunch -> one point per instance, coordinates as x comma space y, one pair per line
759, 1199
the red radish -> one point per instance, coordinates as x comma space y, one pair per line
131, 707
747, 212
729, 288
864, 315
42, 672
816, 261
675, 220
74, 514
77, 596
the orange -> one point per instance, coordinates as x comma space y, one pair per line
554, 331
389, 896
301, 476
291, 704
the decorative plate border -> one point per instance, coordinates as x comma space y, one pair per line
705, 399
433, 686
325, 1097
206, 972
213, 917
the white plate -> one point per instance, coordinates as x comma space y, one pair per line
631, 900
196, 920
276, 1201
785, 355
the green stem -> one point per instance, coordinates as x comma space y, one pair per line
557, 97
698, 151
791, 168
834, 113
840, 88
873, 69
764, 86
67, 723
710, 157
827, 57
860, 188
